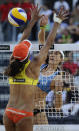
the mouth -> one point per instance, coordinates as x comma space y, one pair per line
51, 60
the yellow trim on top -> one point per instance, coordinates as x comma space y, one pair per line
22, 78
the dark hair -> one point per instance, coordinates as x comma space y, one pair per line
15, 67
47, 60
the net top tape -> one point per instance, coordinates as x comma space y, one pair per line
36, 47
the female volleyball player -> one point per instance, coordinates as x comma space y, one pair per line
23, 78
50, 78
51, 68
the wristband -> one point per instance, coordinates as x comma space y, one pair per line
58, 92
42, 27
56, 19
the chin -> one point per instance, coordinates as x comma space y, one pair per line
51, 63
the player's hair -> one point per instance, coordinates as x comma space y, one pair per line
15, 67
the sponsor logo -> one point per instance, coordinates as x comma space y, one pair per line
18, 80
4, 47
40, 46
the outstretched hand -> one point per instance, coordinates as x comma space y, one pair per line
44, 20
62, 14
35, 13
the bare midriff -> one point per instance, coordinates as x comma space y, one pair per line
22, 97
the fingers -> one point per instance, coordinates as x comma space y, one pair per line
41, 16
44, 20
65, 18
30, 10
39, 9
35, 12
37, 5
33, 7
65, 13
61, 10
36, 8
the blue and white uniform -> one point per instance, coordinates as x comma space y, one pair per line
44, 82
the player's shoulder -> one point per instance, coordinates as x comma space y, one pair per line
34, 63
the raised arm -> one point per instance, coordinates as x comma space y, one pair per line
34, 18
62, 15
41, 34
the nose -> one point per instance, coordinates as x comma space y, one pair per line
52, 54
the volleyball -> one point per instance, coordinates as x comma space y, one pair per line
17, 17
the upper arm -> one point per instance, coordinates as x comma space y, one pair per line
50, 40
34, 65
43, 54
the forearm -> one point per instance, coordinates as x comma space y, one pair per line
49, 42
58, 98
41, 36
52, 35
62, 15
27, 30
58, 102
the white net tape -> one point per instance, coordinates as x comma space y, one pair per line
35, 47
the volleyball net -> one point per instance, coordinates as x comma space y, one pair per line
45, 102
69, 72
